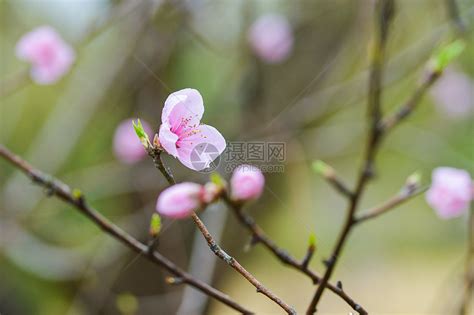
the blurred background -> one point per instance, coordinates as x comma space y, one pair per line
131, 55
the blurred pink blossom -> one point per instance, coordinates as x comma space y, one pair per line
180, 200
246, 183
181, 133
127, 146
453, 94
50, 57
451, 192
271, 38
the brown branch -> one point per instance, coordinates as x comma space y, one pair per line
78, 201
308, 256
259, 236
232, 262
390, 204
406, 109
330, 175
155, 154
384, 15
469, 273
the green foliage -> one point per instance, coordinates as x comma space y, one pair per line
414, 179
155, 224
321, 168
141, 134
77, 193
445, 55
127, 303
217, 179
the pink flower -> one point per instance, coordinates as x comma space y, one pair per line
271, 38
49, 55
127, 146
450, 192
180, 200
182, 135
246, 183
454, 94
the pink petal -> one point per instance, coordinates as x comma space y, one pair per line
271, 38
453, 94
247, 183
49, 55
168, 139
200, 146
183, 110
180, 200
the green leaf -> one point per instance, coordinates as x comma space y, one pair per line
127, 303
155, 224
414, 179
322, 168
141, 134
446, 54
217, 179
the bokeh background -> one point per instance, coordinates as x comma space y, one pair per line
130, 56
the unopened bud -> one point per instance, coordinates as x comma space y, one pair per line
323, 169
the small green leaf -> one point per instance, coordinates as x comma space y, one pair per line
155, 224
217, 179
312, 240
414, 179
446, 54
77, 194
126, 303
141, 134
322, 168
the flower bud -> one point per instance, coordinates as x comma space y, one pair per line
246, 183
271, 38
180, 200
451, 192
49, 55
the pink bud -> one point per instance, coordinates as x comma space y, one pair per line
247, 183
453, 94
127, 146
180, 200
271, 38
450, 192
50, 57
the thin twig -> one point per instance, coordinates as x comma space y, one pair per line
453, 12
156, 155
308, 256
78, 201
469, 273
407, 108
390, 204
259, 236
231, 261
385, 14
